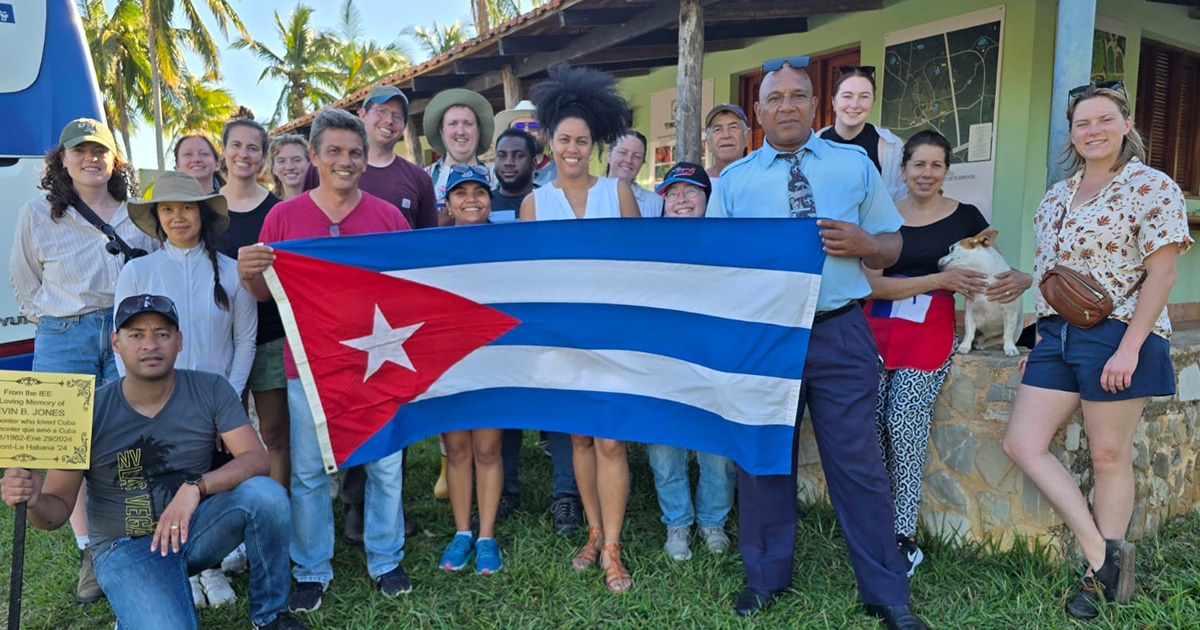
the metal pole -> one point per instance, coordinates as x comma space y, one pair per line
18, 569
1072, 67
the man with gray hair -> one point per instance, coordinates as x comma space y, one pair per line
336, 207
727, 133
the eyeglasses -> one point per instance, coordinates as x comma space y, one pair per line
335, 229
527, 126
867, 70
688, 193
1100, 85
467, 169
771, 65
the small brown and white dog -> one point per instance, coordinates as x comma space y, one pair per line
992, 320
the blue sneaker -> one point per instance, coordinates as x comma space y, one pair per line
487, 558
458, 553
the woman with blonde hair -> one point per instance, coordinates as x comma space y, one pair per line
288, 161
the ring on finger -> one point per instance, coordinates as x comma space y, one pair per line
174, 527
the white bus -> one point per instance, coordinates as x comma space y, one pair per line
46, 80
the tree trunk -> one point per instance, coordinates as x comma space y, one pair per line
123, 119
156, 93
480, 8
412, 143
512, 87
690, 78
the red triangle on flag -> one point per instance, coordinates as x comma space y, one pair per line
363, 330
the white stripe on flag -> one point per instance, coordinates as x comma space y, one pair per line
742, 398
730, 292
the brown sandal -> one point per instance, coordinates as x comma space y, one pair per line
616, 577
590, 554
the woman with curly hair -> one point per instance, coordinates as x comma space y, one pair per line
580, 108
64, 270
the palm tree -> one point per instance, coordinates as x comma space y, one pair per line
166, 58
303, 66
361, 61
198, 104
438, 40
121, 59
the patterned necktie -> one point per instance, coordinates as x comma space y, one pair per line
800, 196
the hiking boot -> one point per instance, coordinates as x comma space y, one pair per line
677, 543
198, 599
487, 556
282, 621
394, 582
306, 597
911, 552
458, 553
567, 512
1086, 603
1112, 583
87, 590
715, 538
217, 590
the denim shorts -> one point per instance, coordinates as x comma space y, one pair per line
1071, 359
78, 344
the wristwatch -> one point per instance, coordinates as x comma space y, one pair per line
197, 481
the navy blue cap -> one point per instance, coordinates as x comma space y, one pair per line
686, 172
462, 173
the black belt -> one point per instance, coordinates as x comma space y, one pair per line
841, 310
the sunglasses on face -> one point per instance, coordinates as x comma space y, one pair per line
527, 126
867, 70
771, 65
467, 169
1101, 85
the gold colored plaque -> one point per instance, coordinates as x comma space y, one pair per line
46, 420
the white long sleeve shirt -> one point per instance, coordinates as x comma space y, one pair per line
214, 340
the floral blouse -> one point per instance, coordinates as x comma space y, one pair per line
1109, 235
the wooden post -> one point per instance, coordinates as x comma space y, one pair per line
691, 76
412, 142
512, 87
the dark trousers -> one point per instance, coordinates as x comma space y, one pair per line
840, 388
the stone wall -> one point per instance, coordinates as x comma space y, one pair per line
973, 491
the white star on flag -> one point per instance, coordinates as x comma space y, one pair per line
384, 344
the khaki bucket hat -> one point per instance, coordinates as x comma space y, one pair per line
176, 186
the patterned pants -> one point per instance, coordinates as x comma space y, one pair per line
902, 420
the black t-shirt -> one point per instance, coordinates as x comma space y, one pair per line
506, 209
244, 228
924, 245
868, 139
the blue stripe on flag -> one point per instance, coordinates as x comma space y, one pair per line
775, 244
718, 343
760, 450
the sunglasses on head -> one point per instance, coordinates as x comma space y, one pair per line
527, 126
139, 303
867, 70
1100, 85
771, 65
467, 169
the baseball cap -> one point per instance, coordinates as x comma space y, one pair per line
689, 172
722, 108
83, 130
137, 304
463, 173
385, 93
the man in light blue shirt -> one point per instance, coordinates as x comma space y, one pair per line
841, 375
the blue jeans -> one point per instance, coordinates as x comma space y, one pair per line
714, 492
312, 521
560, 462
148, 590
80, 344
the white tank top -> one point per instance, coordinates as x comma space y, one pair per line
602, 202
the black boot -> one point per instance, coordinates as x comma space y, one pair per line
1112, 583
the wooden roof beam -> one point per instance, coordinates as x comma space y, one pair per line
520, 45
594, 17
773, 9
480, 65
437, 82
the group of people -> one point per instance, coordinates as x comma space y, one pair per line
189, 261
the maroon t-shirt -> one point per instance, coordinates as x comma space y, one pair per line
300, 217
401, 183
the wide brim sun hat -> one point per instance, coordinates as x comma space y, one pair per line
176, 186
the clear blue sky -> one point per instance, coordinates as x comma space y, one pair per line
383, 20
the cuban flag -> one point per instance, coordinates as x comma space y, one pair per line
691, 333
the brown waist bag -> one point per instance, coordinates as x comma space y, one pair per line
1077, 297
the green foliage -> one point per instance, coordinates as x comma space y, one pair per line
969, 586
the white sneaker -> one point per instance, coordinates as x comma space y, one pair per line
217, 588
236, 560
716, 538
677, 543
197, 593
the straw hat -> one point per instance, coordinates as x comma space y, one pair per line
176, 186
459, 96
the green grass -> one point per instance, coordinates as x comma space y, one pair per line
972, 586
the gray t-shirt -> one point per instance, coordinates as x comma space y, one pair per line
138, 463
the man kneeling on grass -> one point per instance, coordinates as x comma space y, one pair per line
156, 511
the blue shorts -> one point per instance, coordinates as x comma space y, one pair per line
1071, 359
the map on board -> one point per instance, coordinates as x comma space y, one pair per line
946, 82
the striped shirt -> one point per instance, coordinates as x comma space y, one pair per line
61, 269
